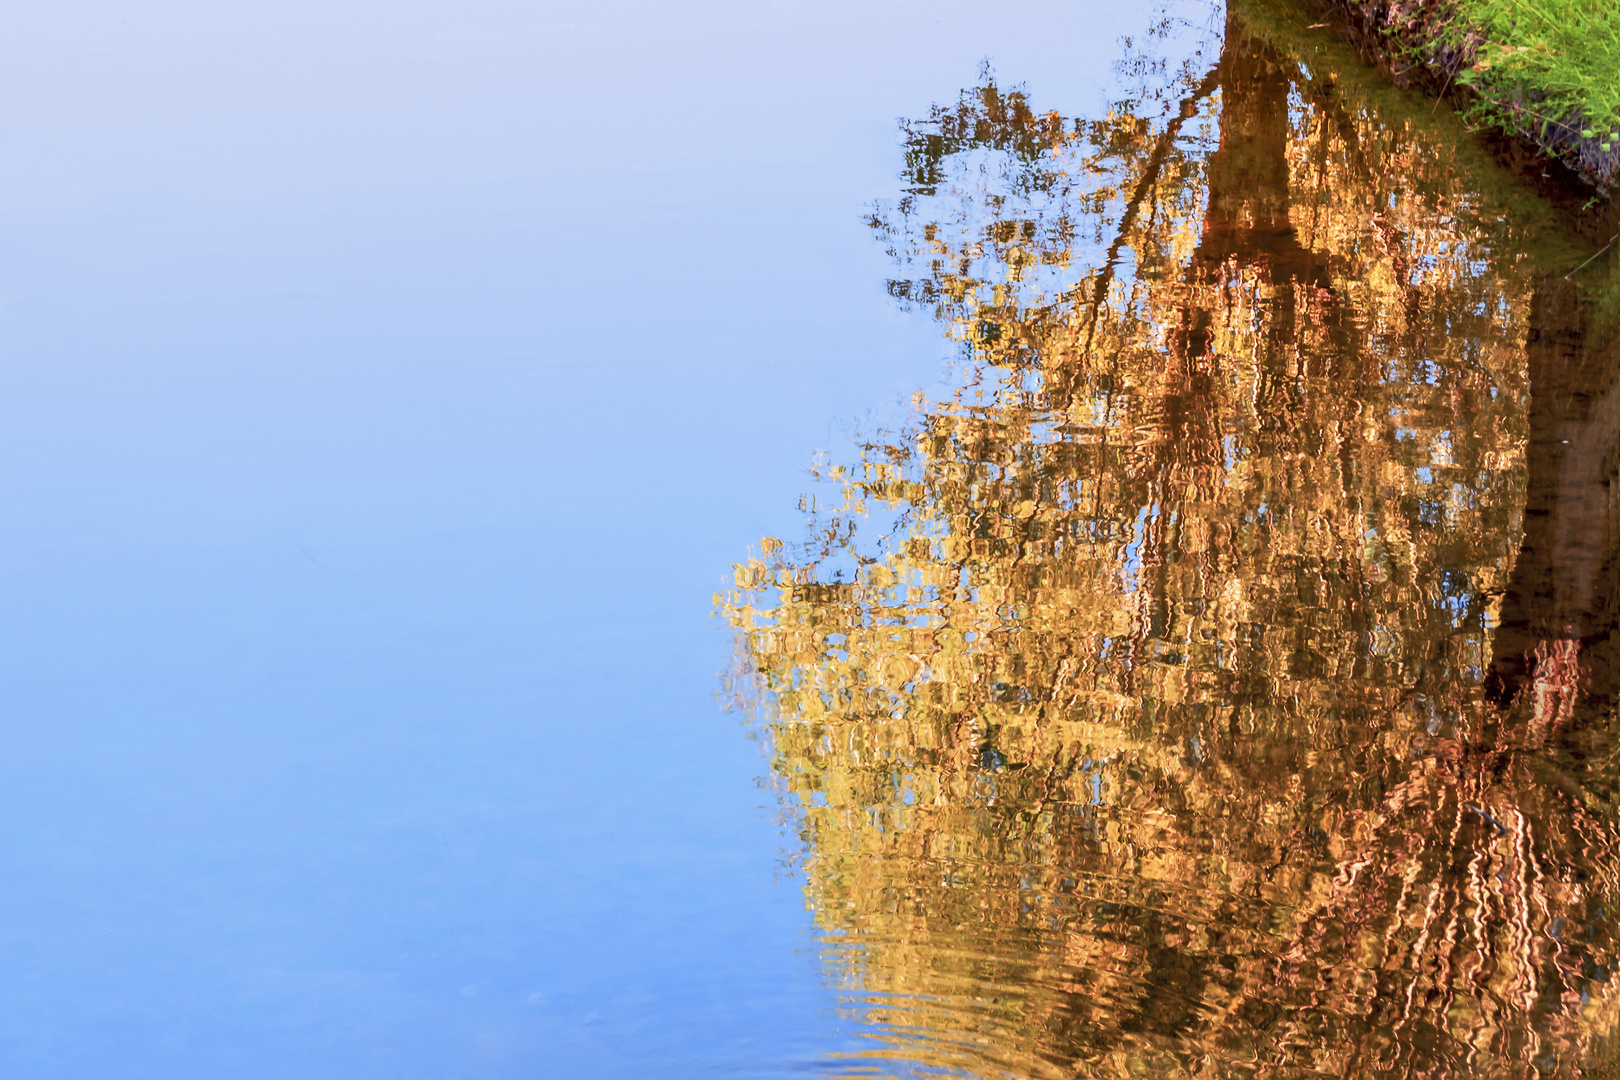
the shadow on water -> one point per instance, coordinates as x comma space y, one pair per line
1222, 681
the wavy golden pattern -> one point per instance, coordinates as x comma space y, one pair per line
1233, 692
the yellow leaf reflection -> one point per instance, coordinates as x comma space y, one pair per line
1233, 692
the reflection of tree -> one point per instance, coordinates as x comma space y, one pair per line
1155, 739
1565, 591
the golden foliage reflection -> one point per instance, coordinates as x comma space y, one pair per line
1204, 708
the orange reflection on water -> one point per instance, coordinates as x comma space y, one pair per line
1234, 693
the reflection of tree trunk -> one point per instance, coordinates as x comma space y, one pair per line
1247, 218
1248, 174
1246, 223
1562, 603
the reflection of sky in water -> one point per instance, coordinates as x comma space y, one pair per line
384, 390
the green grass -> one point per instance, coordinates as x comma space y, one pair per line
1560, 59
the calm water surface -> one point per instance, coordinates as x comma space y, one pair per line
1219, 677
385, 390
1211, 672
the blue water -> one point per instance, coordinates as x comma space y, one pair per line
384, 392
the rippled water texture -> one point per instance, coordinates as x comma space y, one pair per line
1222, 681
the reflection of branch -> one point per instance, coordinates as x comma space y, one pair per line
1156, 160
1588, 262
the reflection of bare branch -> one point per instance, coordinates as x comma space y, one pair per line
1133, 206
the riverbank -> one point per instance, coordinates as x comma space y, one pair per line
1543, 82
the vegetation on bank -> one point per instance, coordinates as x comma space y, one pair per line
1544, 70
1548, 61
